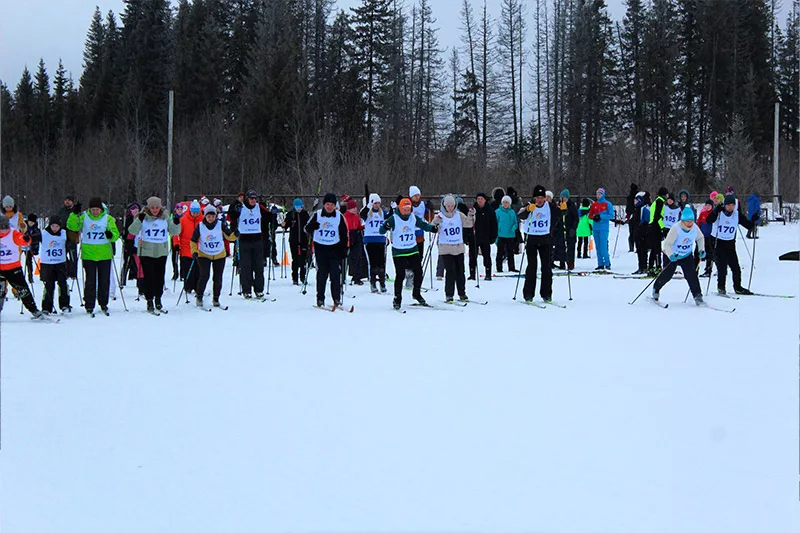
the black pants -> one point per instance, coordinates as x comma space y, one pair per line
642, 250
654, 245
129, 266
559, 248
176, 256
188, 274
506, 246
154, 270
571, 252
204, 266
356, 256
72, 259
299, 259
251, 266
724, 257
632, 234
376, 253
454, 277
401, 264
711, 245
486, 251
50, 276
583, 243
16, 278
329, 265
97, 276
541, 246
689, 268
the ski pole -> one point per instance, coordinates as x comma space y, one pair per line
569, 283
753, 262
234, 267
79, 273
616, 240
475, 248
284, 275
648, 286
521, 267
741, 234
690, 289
122, 295
310, 252
188, 273
710, 274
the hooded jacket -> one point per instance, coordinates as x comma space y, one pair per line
605, 209
150, 249
189, 222
584, 222
507, 223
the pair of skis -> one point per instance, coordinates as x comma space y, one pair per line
704, 305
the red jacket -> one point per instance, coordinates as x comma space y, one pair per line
188, 223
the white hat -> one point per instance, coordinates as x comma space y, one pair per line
209, 209
549, 193
505, 199
204, 201
373, 199
413, 190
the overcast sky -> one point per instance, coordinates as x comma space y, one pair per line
53, 29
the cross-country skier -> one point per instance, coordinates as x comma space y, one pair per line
405, 254
538, 240
189, 222
483, 234
584, 232
10, 267
329, 231
656, 229
601, 212
97, 231
451, 224
54, 266
252, 227
374, 216
208, 252
678, 246
725, 220
295, 222
710, 241
154, 228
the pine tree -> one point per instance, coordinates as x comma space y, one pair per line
41, 107
90, 82
788, 58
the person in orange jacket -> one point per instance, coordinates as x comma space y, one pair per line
176, 243
189, 222
10, 266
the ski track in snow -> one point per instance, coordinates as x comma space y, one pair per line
603, 417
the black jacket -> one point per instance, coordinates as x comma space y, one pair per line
267, 220
630, 201
570, 217
485, 224
295, 223
341, 246
743, 221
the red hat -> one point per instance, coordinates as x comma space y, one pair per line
351, 204
405, 202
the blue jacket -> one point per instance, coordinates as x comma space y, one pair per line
507, 223
753, 206
605, 215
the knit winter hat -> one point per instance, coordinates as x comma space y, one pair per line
8, 201
709, 202
506, 199
95, 202
662, 191
351, 204
373, 199
713, 195
405, 202
204, 200
730, 200
413, 191
297, 202
565, 194
719, 197
132, 206
217, 202
194, 207
601, 191
32, 217
55, 219
538, 191
482, 195
209, 209
548, 193
154, 202
4, 223
687, 213
329, 198
449, 201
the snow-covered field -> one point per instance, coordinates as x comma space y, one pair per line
603, 417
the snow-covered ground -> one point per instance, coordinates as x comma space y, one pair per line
603, 417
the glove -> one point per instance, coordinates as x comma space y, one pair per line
387, 226
435, 229
596, 218
530, 208
755, 217
77, 208
313, 226
141, 216
176, 219
702, 254
471, 212
109, 235
26, 237
394, 205
236, 233
194, 255
673, 257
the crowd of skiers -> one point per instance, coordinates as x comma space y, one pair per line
346, 239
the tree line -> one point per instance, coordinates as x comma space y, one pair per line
280, 94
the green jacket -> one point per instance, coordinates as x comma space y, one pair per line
151, 249
94, 252
584, 222
389, 226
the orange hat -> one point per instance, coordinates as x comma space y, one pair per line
405, 202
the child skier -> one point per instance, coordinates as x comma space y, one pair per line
451, 224
54, 266
584, 228
10, 267
678, 246
406, 255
